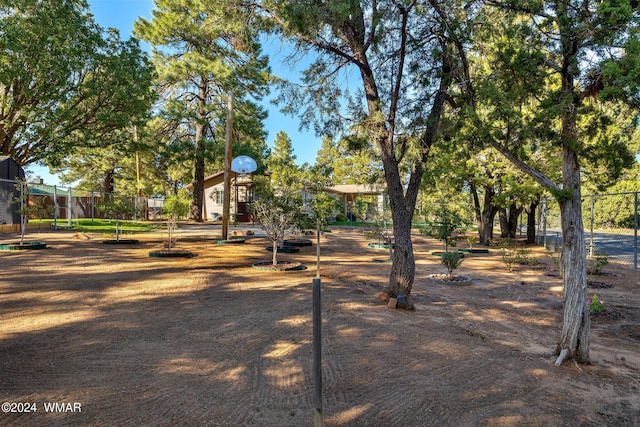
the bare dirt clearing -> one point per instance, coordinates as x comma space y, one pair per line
209, 340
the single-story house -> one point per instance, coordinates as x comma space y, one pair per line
348, 194
241, 197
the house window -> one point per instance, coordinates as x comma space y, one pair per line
219, 197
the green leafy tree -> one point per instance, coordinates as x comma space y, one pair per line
445, 227
349, 160
325, 162
204, 51
64, 81
285, 174
323, 206
555, 56
401, 56
617, 209
133, 161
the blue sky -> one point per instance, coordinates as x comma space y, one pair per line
121, 14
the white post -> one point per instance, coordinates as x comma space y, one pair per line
69, 205
55, 207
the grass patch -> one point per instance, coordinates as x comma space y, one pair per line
350, 223
97, 225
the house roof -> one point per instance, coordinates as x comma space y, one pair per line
355, 189
48, 190
207, 178
218, 177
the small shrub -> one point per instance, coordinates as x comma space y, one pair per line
508, 253
451, 261
597, 263
523, 256
595, 305
341, 217
472, 240
513, 254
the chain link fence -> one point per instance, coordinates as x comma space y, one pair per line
610, 220
610, 225
63, 205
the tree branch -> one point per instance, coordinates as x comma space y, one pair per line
538, 176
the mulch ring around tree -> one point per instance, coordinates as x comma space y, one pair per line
17, 246
440, 253
298, 242
230, 241
455, 280
284, 249
280, 266
121, 242
474, 251
171, 254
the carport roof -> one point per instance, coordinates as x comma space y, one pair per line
355, 189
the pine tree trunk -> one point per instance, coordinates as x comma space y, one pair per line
108, 183
403, 268
531, 221
485, 215
512, 221
198, 176
504, 222
576, 323
509, 221
485, 228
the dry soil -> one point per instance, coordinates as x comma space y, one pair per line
123, 338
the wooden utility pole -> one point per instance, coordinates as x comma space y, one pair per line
135, 140
226, 207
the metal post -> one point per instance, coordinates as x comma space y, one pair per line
69, 214
23, 214
593, 202
55, 208
92, 207
635, 230
318, 248
544, 223
135, 140
317, 355
226, 203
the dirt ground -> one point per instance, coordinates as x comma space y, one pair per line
123, 338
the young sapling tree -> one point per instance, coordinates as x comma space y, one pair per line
175, 207
117, 207
451, 261
277, 215
444, 229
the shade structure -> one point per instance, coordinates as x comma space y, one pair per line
243, 165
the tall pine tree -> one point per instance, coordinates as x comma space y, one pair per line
203, 51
